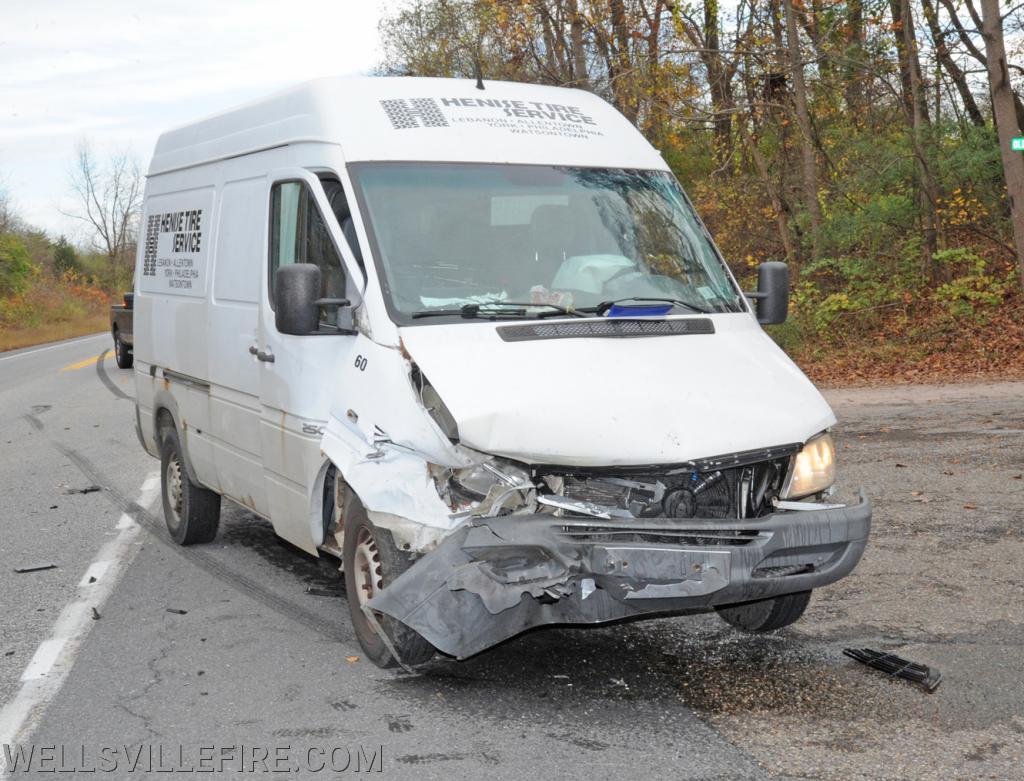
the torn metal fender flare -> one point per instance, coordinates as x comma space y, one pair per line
393, 484
408, 535
316, 504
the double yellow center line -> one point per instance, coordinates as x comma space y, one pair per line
83, 364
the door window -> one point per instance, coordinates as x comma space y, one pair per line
298, 234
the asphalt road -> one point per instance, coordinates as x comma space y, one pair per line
221, 653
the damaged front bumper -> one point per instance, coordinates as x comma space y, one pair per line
497, 577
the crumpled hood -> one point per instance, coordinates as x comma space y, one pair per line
618, 401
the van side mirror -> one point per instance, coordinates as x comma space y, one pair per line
297, 300
772, 296
296, 289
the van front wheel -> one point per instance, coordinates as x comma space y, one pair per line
371, 561
192, 513
766, 615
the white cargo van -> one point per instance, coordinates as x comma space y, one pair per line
473, 340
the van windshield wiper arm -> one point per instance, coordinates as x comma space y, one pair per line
604, 306
554, 309
475, 311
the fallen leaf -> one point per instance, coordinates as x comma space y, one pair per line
351, 659
1018, 477
915, 493
901, 466
970, 507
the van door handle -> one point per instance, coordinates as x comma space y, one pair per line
266, 357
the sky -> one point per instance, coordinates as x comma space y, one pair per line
117, 73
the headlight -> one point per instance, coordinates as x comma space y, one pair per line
494, 486
813, 468
480, 479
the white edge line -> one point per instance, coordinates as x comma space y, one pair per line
49, 667
98, 569
65, 343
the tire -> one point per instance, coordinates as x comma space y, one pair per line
371, 561
191, 512
122, 352
766, 615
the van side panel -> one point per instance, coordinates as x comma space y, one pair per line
171, 306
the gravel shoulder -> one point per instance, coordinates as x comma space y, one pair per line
940, 583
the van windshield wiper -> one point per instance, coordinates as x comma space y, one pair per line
474, 311
604, 306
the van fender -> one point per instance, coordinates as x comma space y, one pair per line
394, 485
387, 448
163, 399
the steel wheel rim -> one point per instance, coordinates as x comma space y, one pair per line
367, 564
174, 490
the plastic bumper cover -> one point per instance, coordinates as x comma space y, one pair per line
497, 577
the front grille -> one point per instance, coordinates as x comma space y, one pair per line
715, 494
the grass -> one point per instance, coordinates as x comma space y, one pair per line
52, 307
16, 338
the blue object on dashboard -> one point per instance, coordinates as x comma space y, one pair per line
637, 310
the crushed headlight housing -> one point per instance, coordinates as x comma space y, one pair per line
493, 487
813, 469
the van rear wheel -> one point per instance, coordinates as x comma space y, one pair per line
371, 561
766, 615
192, 513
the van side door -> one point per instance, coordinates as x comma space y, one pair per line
300, 376
232, 334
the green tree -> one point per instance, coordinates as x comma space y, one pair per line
65, 258
15, 265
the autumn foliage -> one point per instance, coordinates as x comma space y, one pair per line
853, 139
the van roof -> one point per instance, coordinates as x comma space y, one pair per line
401, 118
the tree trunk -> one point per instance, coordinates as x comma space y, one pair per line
622, 86
915, 105
854, 69
803, 118
779, 205
718, 82
1006, 119
579, 52
949, 65
974, 51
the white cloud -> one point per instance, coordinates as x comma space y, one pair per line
121, 71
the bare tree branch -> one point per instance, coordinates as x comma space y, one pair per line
109, 199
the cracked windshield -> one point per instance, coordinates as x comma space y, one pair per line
525, 241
